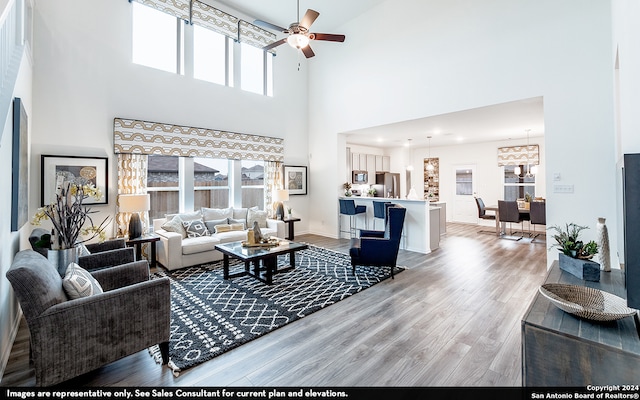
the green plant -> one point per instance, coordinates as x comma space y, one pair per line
569, 243
527, 197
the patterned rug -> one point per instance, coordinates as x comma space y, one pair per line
210, 315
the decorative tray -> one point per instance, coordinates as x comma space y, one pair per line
585, 302
270, 243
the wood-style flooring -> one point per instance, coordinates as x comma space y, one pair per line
451, 319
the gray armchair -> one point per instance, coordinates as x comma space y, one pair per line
106, 254
71, 337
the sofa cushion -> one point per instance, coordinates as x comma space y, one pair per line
199, 244
254, 214
209, 214
195, 228
175, 225
186, 216
240, 213
232, 236
78, 282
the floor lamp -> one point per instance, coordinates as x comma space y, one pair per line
280, 196
134, 204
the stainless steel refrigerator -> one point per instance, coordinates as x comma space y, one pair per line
387, 184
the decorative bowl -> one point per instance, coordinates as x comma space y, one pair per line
585, 302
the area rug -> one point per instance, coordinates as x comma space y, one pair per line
211, 315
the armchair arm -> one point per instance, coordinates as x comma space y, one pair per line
169, 249
107, 258
122, 275
99, 329
278, 226
106, 245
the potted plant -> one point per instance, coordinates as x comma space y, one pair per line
372, 192
575, 255
347, 188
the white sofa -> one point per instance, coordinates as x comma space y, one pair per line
179, 248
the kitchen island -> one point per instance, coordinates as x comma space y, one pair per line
416, 233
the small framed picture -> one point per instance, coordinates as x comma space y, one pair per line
295, 179
90, 169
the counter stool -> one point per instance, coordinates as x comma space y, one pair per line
379, 211
348, 207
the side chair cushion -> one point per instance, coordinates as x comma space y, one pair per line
78, 282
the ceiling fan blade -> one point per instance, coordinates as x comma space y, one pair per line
307, 51
327, 36
269, 25
308, 18
274, 44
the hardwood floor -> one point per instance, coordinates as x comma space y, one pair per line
451, 319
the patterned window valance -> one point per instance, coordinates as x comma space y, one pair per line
211, 18
178, 8
143, 137
518, 155
254, 35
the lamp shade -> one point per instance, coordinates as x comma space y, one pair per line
281, 195
134, 202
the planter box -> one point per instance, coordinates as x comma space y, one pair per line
583, 269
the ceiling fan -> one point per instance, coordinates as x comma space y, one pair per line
298, 33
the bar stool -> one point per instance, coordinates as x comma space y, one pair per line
348, 207
379, 211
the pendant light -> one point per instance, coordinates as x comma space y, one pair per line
409, 166
430, 166
528, 174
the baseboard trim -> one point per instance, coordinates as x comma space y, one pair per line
4, 359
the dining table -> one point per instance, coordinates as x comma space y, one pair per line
501, 227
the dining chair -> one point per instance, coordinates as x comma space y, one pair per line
482, 214
508, 213
538, 216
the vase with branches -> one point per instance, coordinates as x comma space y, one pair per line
70, 218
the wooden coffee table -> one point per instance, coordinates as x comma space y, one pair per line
264, 260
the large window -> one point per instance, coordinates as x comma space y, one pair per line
156, 39
163, 186
255, 70
253, 184
211, 61
211, 183
517, 186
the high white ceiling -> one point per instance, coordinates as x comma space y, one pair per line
493, 122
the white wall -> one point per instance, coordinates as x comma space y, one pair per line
84, 78
442, 57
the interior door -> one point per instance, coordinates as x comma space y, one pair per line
464, 205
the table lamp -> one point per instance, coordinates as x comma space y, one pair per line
134, 204
280, 196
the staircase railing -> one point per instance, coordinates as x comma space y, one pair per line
11, 48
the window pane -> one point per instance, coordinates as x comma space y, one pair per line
517, 186
253, 184
252, 69
464, 182
154, 38
269, 74
211, 183
209, 55
163, 186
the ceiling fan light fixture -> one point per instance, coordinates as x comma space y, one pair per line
298, 40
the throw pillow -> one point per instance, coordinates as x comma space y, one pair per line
83, 251
175, 225
209, 214
211, 225
238, 221
237, 227
222, 228
240, 213
257, 215
187, 216
195, 228
78, 282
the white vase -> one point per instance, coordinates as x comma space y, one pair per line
603, 245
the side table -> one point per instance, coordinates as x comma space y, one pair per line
150, 238
289, 222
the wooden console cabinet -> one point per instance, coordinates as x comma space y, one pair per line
560, 349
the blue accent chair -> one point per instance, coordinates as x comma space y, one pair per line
380, 248
348, 207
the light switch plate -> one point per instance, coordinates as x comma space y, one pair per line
562, 188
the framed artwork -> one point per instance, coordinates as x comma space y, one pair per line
19, 167
295, 179
93, 169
